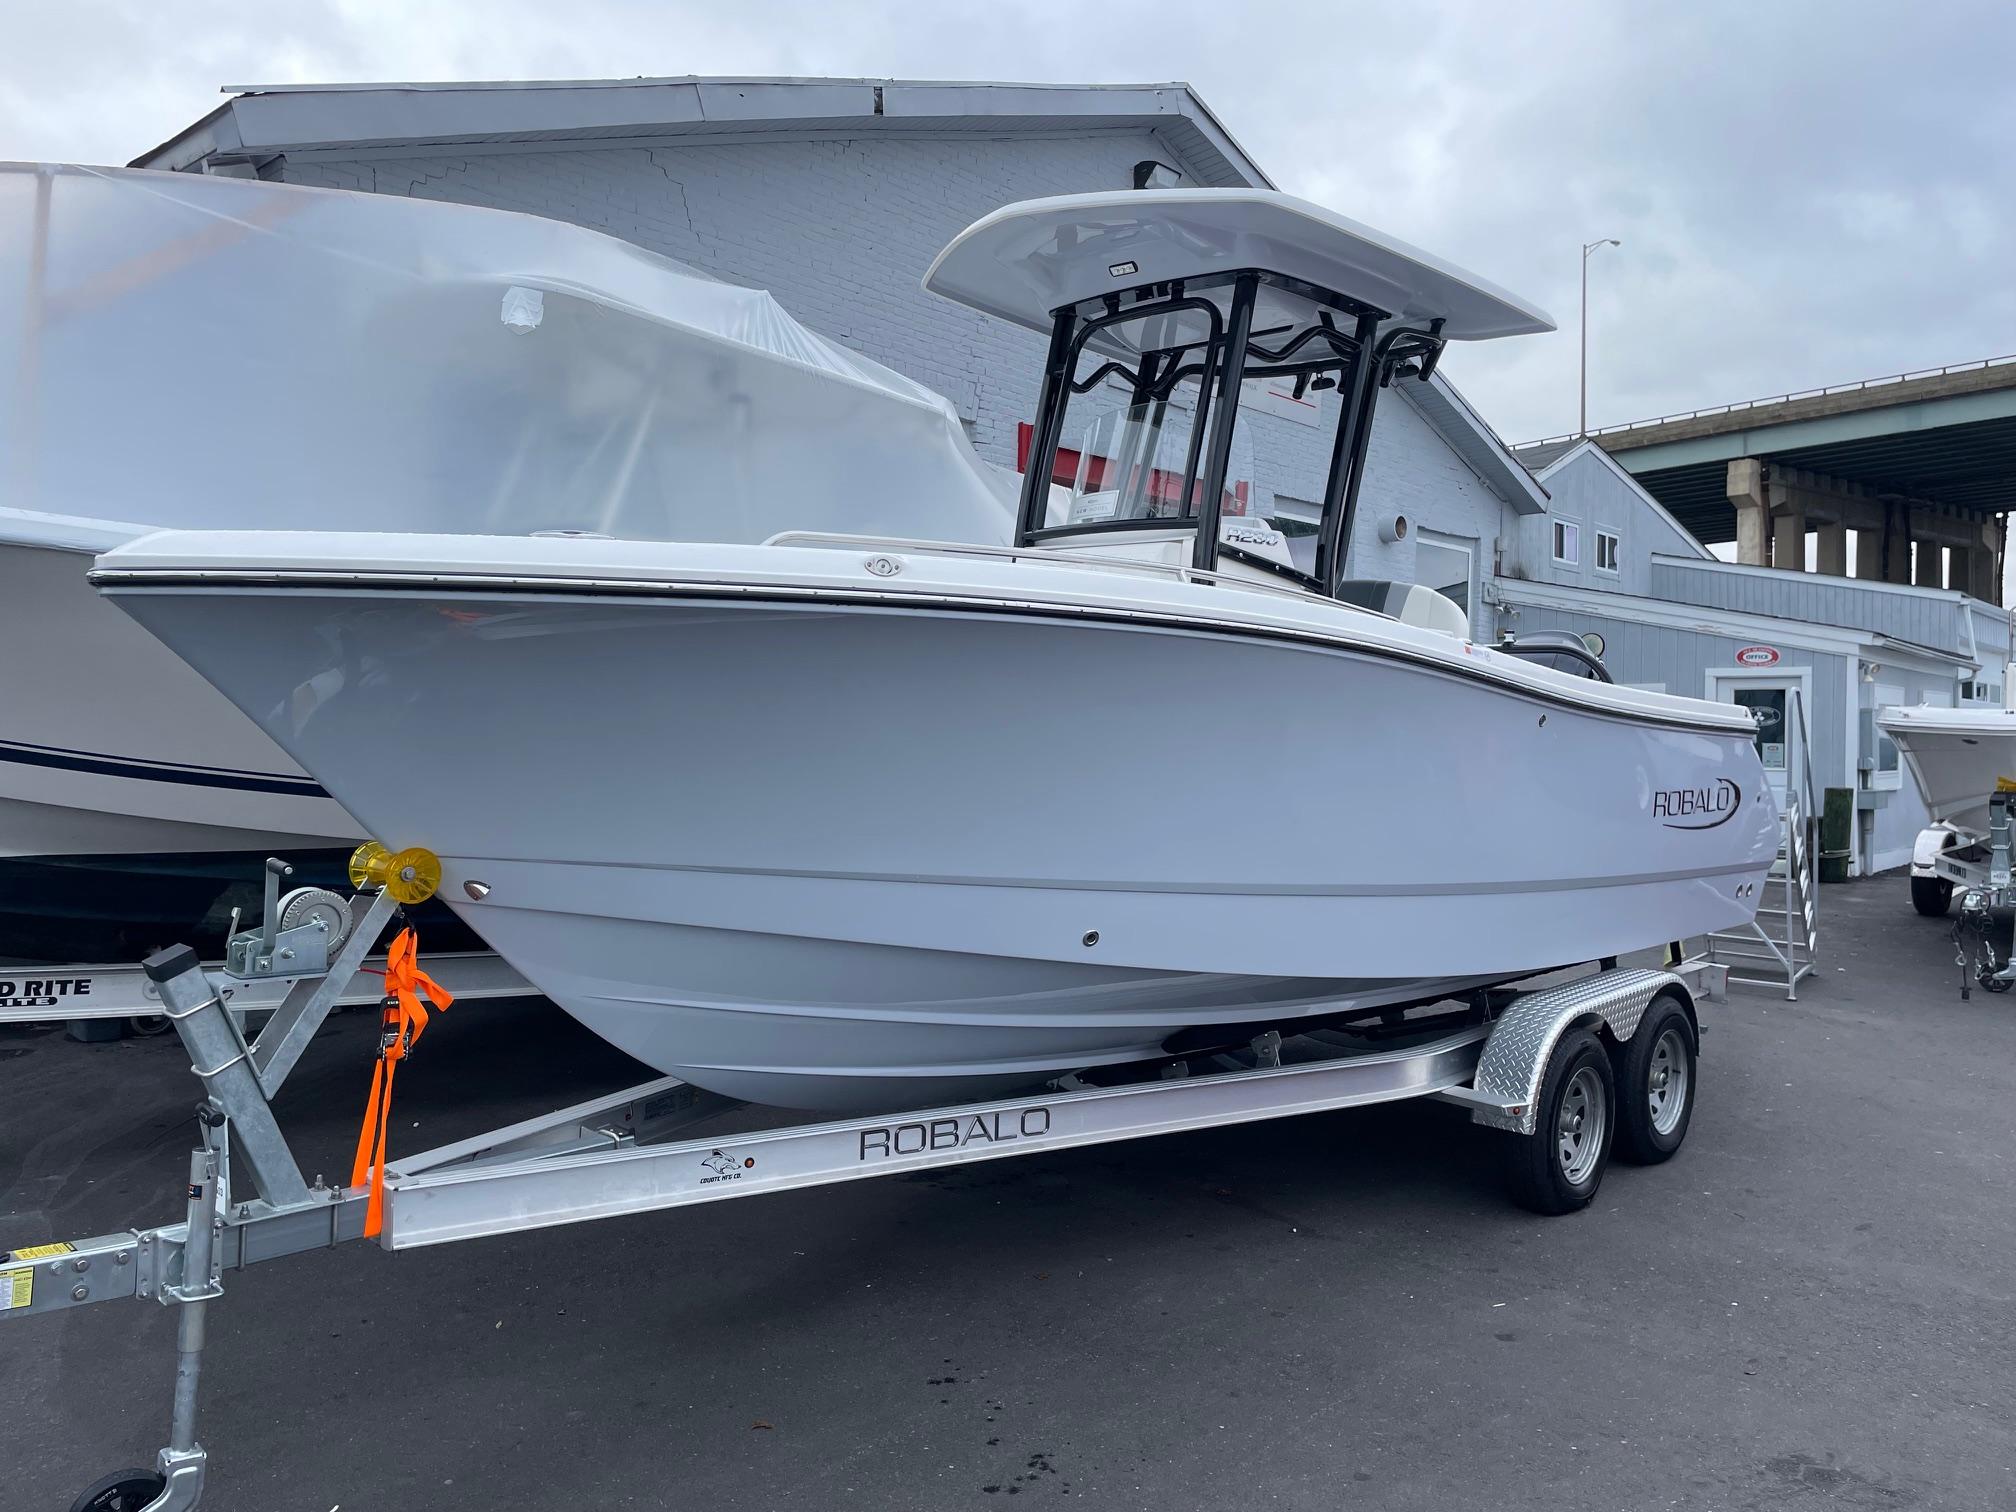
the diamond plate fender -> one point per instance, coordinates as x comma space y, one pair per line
1515, 1057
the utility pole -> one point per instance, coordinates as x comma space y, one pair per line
1582, 429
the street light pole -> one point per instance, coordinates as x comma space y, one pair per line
1582, 429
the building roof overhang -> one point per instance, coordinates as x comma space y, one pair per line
1442, 405
261, 122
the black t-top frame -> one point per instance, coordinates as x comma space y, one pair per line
1363, 358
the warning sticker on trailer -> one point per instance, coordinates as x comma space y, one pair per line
17, 1289
43, 1251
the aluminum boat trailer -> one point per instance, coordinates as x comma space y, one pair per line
1561, 1072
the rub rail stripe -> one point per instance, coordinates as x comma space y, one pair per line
146, 578
58, 759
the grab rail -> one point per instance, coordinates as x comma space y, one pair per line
1805, 752
1805, 818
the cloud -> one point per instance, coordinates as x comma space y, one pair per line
1807, 193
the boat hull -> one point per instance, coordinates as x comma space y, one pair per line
137, 804
1959, 758
839, 855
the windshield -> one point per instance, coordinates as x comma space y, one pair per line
1149, 397
1134, 444
1133, 460
1141, 413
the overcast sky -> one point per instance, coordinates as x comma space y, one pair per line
1806, 193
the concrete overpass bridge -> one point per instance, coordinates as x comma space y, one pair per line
1918, 469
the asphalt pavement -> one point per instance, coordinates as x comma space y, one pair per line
1811, 1307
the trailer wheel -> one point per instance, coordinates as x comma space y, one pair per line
121, 1491
1931, 896
1557, 1168
1655, 1084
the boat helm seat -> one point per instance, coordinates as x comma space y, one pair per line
1409, 603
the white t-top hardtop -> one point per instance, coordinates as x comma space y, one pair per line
930, 573
1027, 260
1936, 720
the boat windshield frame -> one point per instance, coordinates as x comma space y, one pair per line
1363, 357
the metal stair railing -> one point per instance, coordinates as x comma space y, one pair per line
1777, 947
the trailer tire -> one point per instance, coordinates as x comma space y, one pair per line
1656, 1081
1931, 896
1558, 1167
121, 1491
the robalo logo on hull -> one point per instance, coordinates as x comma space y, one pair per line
1697, 808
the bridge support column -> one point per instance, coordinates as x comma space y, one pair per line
1830, 542
1745, 488
1788, 539
1928, 568
1897, 558
1974, 569
1869, 555
1966, 570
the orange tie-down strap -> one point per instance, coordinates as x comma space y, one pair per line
404, 1021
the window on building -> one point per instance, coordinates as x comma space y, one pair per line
1567, 543
1767, 707
1606, 551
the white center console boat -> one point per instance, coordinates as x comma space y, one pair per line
1960, 758
847, 823
1963, 761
